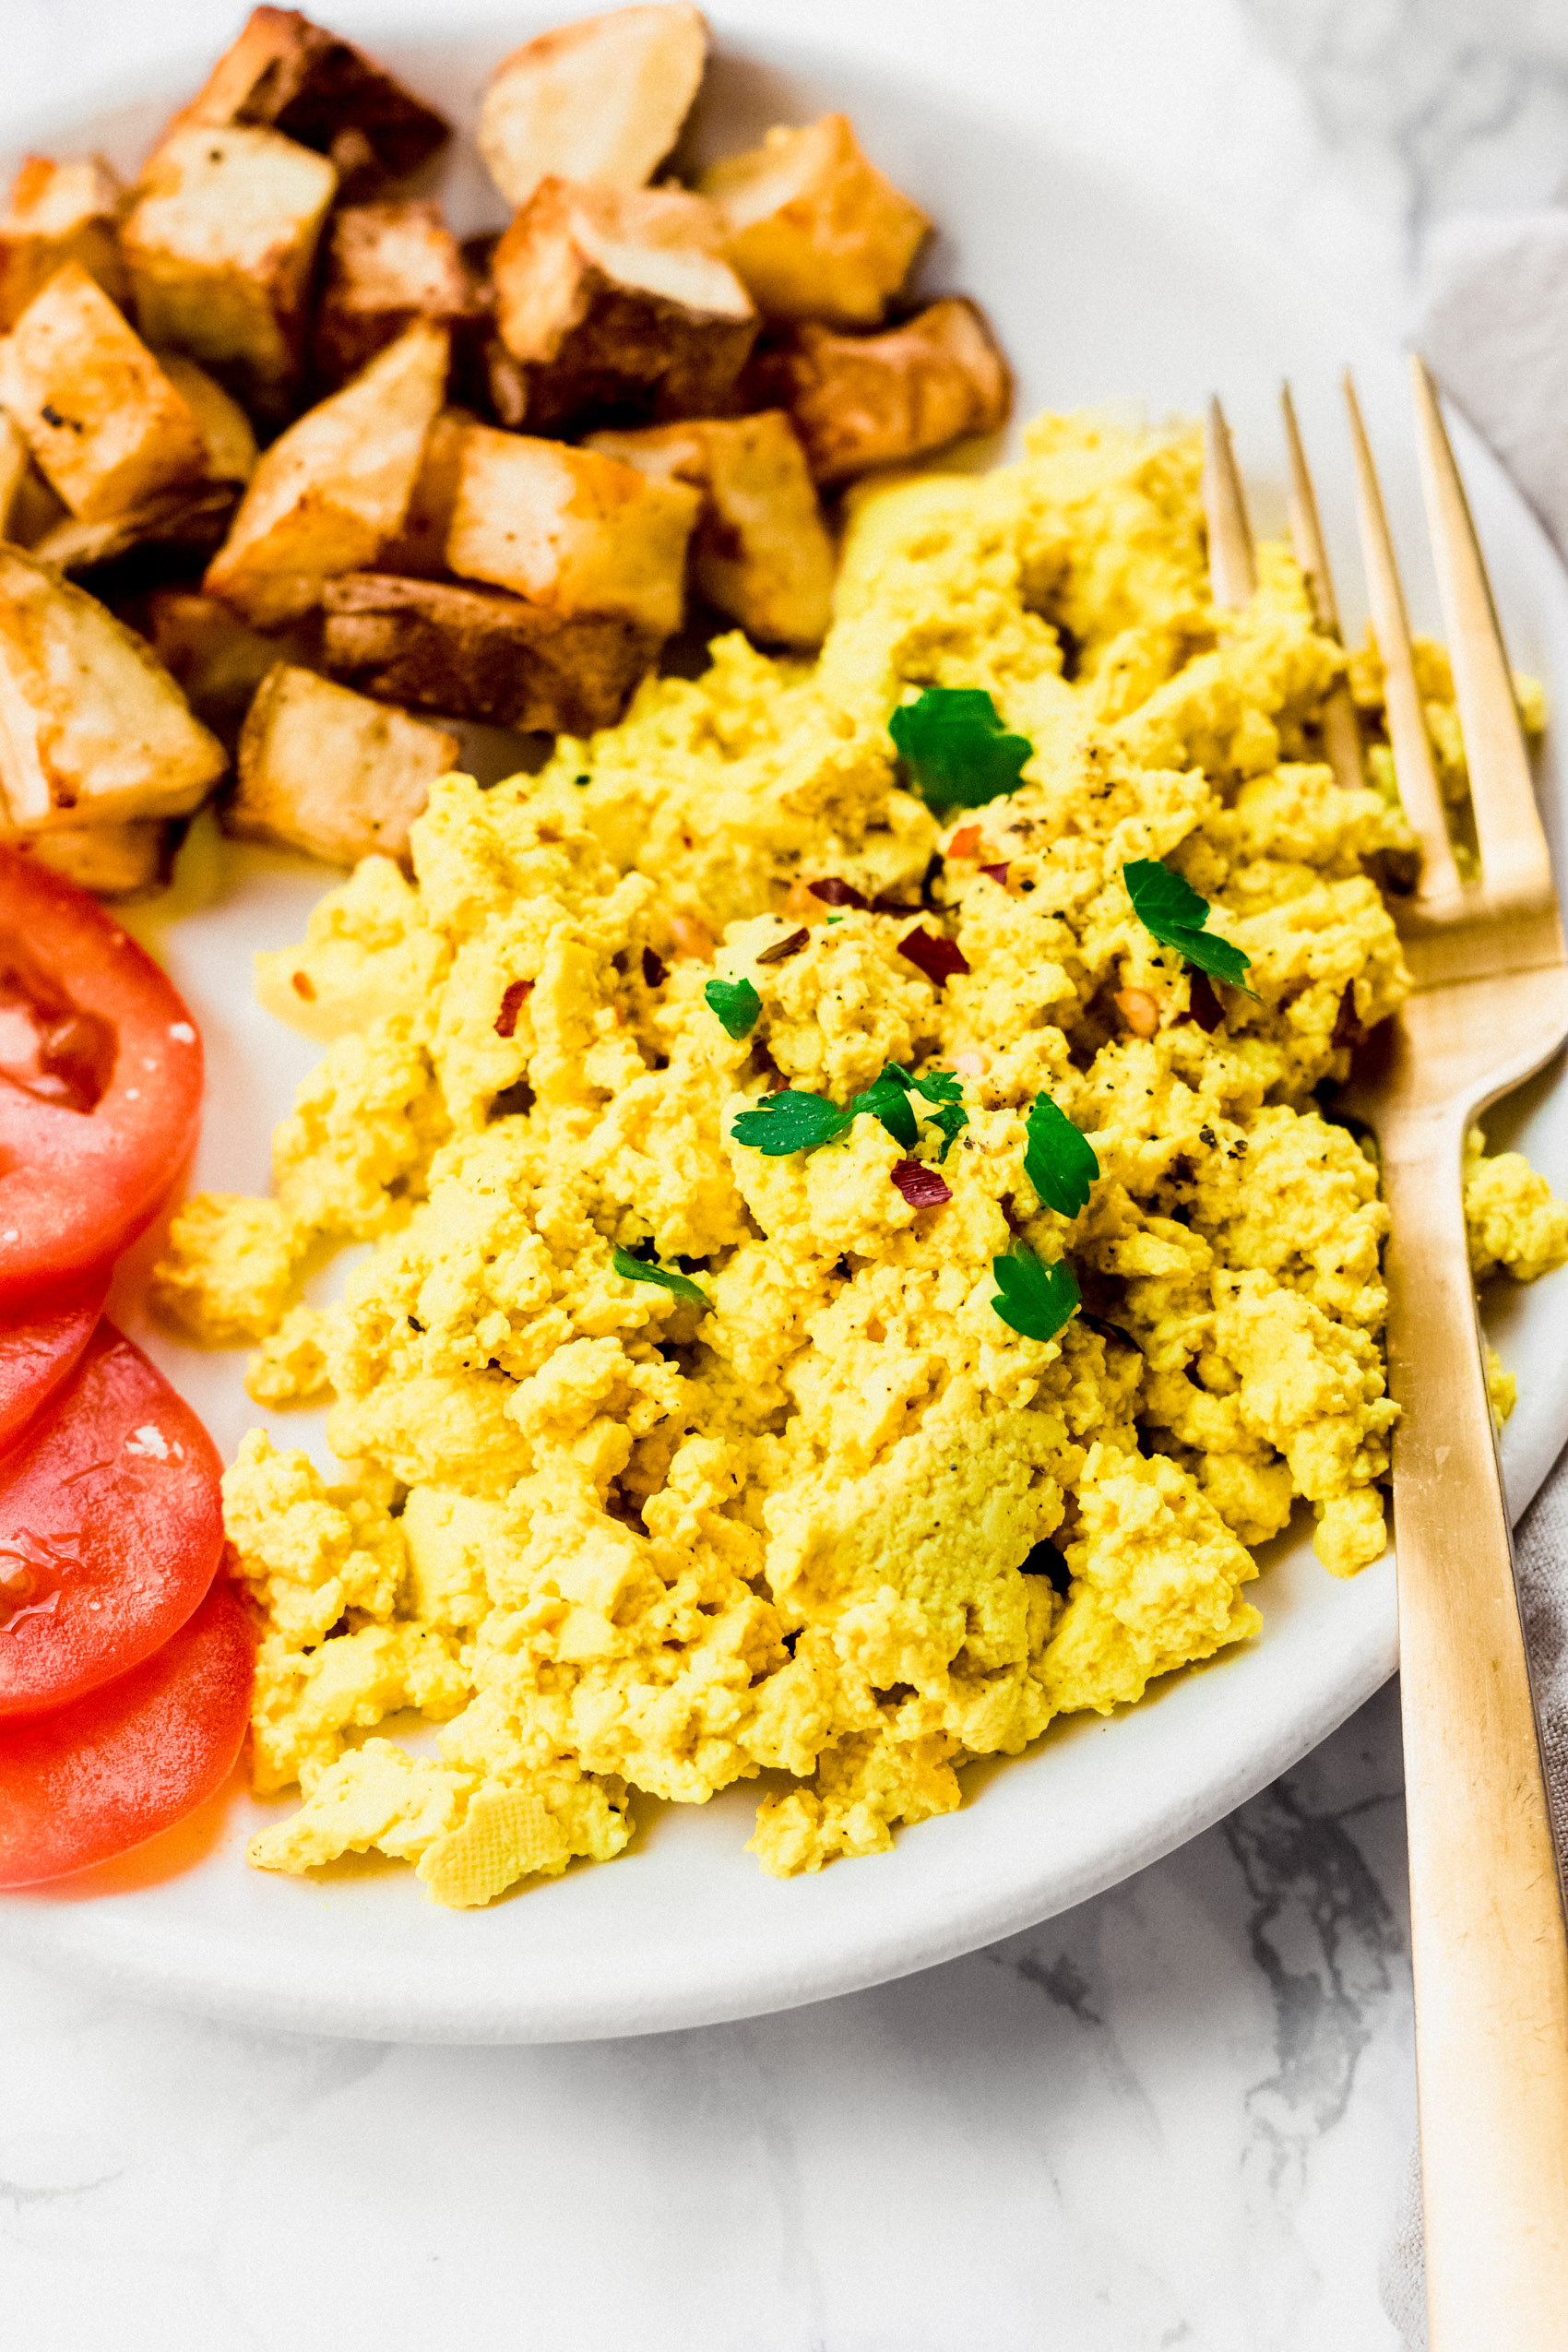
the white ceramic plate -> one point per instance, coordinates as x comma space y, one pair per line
1100, 295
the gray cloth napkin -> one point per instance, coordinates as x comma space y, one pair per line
1495, 328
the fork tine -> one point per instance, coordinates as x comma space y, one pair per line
1232, 564
1515, 862
1413, 765
1341, 728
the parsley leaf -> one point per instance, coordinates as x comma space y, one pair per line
633, 1269
1060, 1162
887, 1099
1171, 912
780, 1123
956, 748
737, 1004
1032, 1297
944, 1088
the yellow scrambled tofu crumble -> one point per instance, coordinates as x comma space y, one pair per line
610, 1537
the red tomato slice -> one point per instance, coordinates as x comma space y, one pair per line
100, 1074
36, 1358
110, 1530
114, 1769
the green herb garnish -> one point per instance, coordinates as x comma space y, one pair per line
887, 1099
956, 748
737, 1004
945, 1090
1171, 912
787, 1122
1060, 1162
1032, 1297
635, 1269
780, 1123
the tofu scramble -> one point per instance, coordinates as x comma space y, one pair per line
818, 1511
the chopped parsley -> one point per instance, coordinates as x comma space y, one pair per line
788, 1122
737, 1004
1171, 912
1032, 1297
1060, 1162
887, 1099
635, 1269
780, 1123
956, 749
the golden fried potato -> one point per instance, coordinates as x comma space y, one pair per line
217, 659
761, 551
103, 418
479, 653
224, 426
387, 264
220, 241
618, 307
288, 75
195, 520
814, 228
14, 460
118, 861
572, 530
864, 400
325, 770
334, 487
601, 100
92, 727
59, 212
418, 550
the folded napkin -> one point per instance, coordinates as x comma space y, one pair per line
1496, 330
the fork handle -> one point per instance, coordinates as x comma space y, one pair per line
1486, 1912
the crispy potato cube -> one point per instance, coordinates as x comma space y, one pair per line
601, 100
286, 74
476, 653
814, 228
60, 212
761, 551
326, 771
220, 241
571, 529
103, 418
418, 551
195, 520
91, 725
333, 488
217, 659
618, 307
36, 509
126, 860
387, 264
14, 460
225, 429
864, 400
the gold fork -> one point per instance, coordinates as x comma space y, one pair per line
1488, 1007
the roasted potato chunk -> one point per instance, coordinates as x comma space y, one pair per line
334, 487
570, 529
761, 551
16, 458
326, 771
418, 550
220, 241
91, 725
119, 862
193, 520
815, 229
59, 212
286, 74
387, 264
107, 426
601, 100
476, 653
864, 401
225, 429
217, 659
617, 306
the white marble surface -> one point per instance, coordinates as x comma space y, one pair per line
1178, 2115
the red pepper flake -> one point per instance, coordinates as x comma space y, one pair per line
921, 1186
1347, 1029
998, 873
304, 986
653, 968
790, 944
938, 958
1205, 1006
833, 892
965, 842
885, 903
512, 1004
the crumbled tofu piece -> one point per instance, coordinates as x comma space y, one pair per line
329, 772
600, 99
815, 229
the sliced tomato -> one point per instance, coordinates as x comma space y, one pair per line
103, 1775
110, 1530
101, 1076
36, 1357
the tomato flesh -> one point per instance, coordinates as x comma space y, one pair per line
110, 1530
36, 1358
103, 1775
101, 1078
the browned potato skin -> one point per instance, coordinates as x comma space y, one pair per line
103, 418
858, 402
286, 74
387, 264
665, 338
478, 653
59, 212
323, 771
